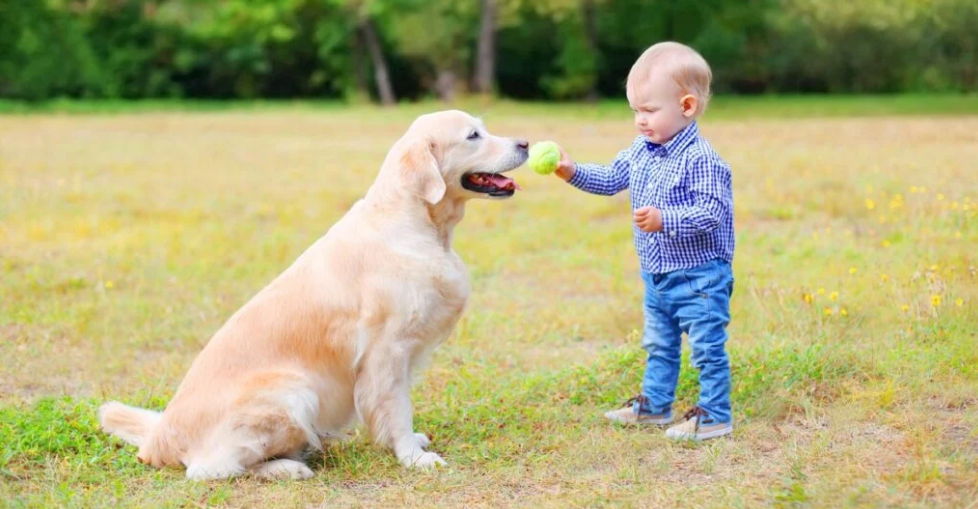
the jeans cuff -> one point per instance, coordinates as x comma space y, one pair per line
641, 409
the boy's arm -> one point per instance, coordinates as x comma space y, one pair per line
710, 185
596, 178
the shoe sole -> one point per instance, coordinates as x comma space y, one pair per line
662, 422
699, 437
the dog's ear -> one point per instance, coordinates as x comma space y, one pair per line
422, 170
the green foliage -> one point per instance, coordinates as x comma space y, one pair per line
44, 53
548, 49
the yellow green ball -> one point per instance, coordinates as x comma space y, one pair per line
544, 157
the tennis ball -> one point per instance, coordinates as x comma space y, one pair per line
544, 157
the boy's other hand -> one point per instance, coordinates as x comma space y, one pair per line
649, 219
565, 168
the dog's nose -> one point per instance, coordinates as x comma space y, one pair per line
523, 144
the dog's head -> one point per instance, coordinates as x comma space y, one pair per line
451, 154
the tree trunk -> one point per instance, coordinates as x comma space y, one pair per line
486, 57
591, 37
384, 88
670, 18
445, 84
359, 72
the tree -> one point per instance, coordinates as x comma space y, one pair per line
486, 54
437, 36
381, 75
588, 18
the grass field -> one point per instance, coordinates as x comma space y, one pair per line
126, 239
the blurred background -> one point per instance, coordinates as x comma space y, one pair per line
395, 50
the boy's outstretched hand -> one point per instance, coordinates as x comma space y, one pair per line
565, 168
649, 219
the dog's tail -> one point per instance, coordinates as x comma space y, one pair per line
131, 424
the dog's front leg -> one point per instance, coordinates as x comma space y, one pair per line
383, 401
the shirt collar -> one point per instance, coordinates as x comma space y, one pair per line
678, 142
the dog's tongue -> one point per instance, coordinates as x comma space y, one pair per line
502, 182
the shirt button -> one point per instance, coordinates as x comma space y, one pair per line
672, 233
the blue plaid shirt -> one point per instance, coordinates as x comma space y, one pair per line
685, 179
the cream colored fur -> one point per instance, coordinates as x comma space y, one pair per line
336, 337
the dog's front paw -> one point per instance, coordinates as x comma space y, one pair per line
423, 440
425, 461
422, 460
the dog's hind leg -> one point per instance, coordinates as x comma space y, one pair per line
276, 422
283, 468
228, 454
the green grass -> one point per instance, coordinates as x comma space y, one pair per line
127, 239
722, 107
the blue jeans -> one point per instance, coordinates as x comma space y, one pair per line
695, 301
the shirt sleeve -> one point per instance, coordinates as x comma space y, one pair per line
709, 184
604, 180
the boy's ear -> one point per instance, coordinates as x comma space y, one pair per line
688, 103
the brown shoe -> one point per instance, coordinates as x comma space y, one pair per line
631, 415
697, 426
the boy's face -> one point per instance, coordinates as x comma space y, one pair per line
661, 110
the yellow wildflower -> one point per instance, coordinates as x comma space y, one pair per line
852, 270
904, 308
884, 278
834, 296
827, 311
886, 243
935, 300
959, 302
844, 312
821, 291
957, 235
940, 196
913, 189
870, 204
109, 284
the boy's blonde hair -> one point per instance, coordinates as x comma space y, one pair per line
687, 67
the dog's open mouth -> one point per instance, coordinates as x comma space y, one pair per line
493, 184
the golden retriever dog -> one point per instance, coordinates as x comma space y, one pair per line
336, 338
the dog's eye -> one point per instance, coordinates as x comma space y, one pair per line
473, 136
